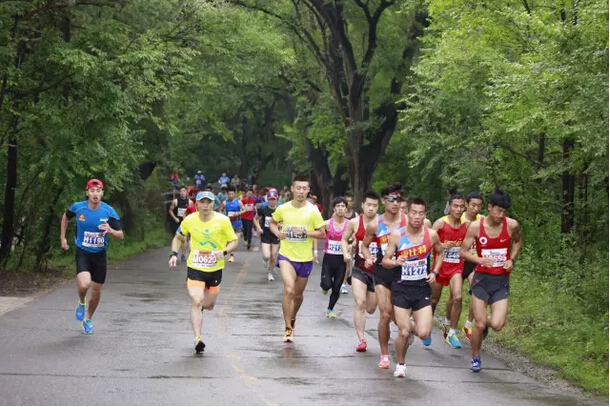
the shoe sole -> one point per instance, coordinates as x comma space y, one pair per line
288, 340
399, 376
475, 371
198, 348
383, 367
360, 350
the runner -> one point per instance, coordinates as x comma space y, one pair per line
95, 221
408, 256
363, 285
404, 205
350, 214
249, 203
234, 210
270, 244
235, 181
199, 180
474, 203
212, 237
333, 264
177, 210
379, 232
498, 245
301, 223
224, 181
451, 232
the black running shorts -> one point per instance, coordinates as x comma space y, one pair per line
490, 288
411, 296
94, 263
364, 276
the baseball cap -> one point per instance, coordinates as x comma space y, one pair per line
205, 195
95, 183
272, 193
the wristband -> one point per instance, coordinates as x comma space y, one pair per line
225, 253
315, 251
513, 261
173, 253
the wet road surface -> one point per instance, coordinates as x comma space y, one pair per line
142, 350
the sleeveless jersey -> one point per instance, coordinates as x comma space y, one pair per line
473, 249
496, 248
232, 208
383, 235
358, 259
332, 240
415, 268
180, 209
452, 263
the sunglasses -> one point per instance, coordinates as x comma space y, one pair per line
392, 198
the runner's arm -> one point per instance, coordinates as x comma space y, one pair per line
64, 224
257, 225
177, 242
242, 208
471, 235
439, 252
171, 210
231, 246
369, 234
319, 233
516, 244
387, 261
115, 228
347, 235
427, 223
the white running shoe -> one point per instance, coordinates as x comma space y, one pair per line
401, 371
270, 277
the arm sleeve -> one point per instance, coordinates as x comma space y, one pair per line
115, 223
71, 212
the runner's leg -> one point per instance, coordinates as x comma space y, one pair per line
197, 297
499, 311
266, 249
403, 321
94, 299
384, 302
299, 288
83, 280
275, 248
289, 276
437, 290
359, 290
455, 284
338, 272
480, 315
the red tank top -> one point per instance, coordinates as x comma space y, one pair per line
496, 248
358, 259
452, 262
250, 206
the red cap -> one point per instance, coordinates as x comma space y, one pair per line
95, 183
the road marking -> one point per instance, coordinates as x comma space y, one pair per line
8, 304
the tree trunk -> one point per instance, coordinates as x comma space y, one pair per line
568, 178
9, 198
45, 243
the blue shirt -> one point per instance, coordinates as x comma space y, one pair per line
224, 181
88, 236
199, 178
230, 209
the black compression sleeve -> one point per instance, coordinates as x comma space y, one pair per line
70, 214
115, 224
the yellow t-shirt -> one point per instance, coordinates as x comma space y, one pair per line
206, 237
463, 218
296, 222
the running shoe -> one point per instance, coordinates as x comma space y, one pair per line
288, 335
88, 326
231, 259
467, 332
384, 362
330, 314
453, 341
183, 257
361, 346
344, 289
80, 311
248, 247
401, 370
324, 292
199, 345
445, 331
475, 364
270, 277
427, 341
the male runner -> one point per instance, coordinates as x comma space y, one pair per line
301, 223
498, 245
212, 238
408, 256
199, 180
363, 285
177, 210
474, 203
224, 181
270, 244
333, 264
234, 209
451, 232
95, 220
247, 218
379, 232
404, 208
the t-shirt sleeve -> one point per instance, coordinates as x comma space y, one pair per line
317, 219
228, 231
277, 215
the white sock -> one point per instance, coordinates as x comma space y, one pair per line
468, 324
447, 322
451, 331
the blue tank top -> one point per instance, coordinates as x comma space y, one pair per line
230, 209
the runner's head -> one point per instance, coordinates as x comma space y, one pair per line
224, 174
417, 212
350, 202
208, 188
183, 192
272, 196
474, 203
249, 193
370, 203
339, 205
404, 205
94, 190
205, 202
231, 193
300, 188
390, 197
499, 204
457, 204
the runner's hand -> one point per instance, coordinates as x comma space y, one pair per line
219, 254
448, 245
105, 227
368, 263
400, 260
172, 261
315, 257
431, 278
259, 230
64, 244
508, 266
281, 236
347, 258
486, 262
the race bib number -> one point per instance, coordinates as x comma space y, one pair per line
413, 270
498, 256
384, 246
231, 214
204, 260
181, 212
267, 221
296, 234
93, 239
473, 250
372, 249
249, 207
452, 255
334, 247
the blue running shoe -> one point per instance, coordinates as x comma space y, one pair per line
427, 341
475, 364
453, 341
88, 326
80, 311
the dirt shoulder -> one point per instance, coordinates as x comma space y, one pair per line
21, 284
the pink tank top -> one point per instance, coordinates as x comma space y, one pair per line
332, 241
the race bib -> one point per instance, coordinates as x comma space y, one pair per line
497, 255
249, 207
384, 246
413, 270
372, 248
93, 239
267, 221
334, 247
452, 255
204, 260
231, 214
181, 212
296, 234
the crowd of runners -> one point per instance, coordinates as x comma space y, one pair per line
397, 262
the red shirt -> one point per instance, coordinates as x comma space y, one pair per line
192, 208
319, 207
250, 206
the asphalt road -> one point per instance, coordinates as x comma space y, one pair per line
142, 350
